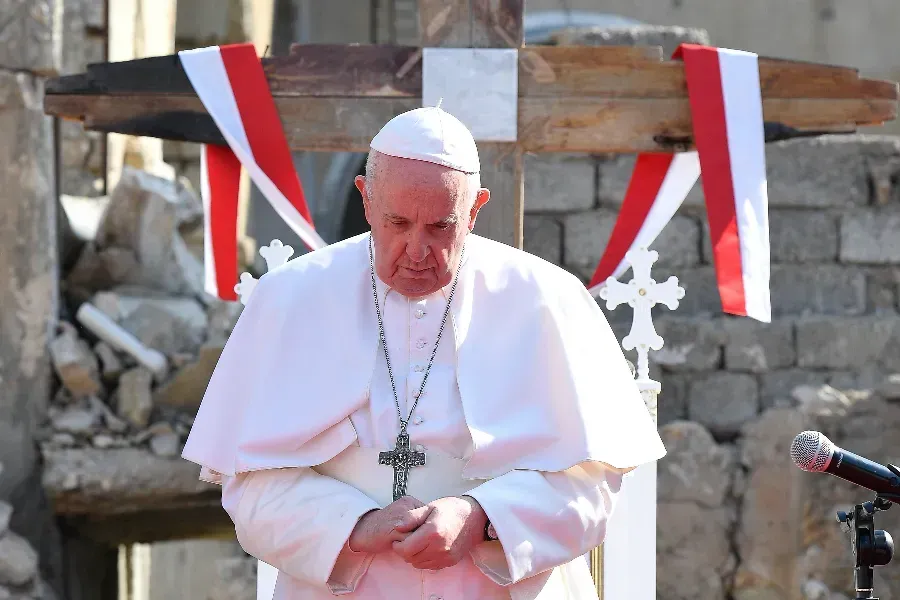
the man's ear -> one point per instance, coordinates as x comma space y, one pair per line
481, 198
360, 182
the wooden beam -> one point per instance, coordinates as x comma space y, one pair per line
573, 99
623, 125
382, 71
485, 24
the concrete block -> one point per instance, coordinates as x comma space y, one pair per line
848, 343
559, 182
723, 402
758, 347
871, 236
801, 236
587, 234
828, 171
822, 289
690, 343
544, 237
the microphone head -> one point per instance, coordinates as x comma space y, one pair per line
812, 451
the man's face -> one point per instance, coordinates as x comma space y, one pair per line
420, 214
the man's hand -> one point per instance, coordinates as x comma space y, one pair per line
378, 529
452, 527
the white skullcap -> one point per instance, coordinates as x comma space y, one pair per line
430, 134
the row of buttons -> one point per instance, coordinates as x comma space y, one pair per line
418, 420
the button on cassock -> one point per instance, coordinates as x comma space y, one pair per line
419, 313
420, 344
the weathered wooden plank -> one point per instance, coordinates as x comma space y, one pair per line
634, 125
333, 70
545, 124
323, 70
572, 71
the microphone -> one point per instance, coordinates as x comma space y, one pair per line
813, 452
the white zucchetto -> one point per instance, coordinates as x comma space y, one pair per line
430, 134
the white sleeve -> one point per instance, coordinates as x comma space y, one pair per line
299, 521
544, 520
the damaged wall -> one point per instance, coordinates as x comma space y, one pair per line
30, 50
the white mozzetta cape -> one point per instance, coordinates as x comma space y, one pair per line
543, 381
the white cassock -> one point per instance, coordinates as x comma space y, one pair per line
529, 408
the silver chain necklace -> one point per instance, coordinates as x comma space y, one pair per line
402, 458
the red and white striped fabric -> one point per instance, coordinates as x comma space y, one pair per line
726, 110
232, 86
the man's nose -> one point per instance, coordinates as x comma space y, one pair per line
417, 247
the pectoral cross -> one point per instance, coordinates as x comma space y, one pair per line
642, 293
402, 459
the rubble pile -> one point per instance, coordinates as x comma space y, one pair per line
19, 577
138, 337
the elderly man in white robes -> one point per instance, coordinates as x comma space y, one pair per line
419, 412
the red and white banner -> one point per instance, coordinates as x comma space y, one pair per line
726, 111
232, 85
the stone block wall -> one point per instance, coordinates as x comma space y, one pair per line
737, 519
82, 153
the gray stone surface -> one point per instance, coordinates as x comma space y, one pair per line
802, 236
170, 325
29, 292
144, 217
773, 491
777, 386
558, 182
696, 469
587, 234
134, 402
543, 237
672, 400
723, 402
694, 555
28, 35
18, 560
74, 363
689, 343
871, 236
701, 294
237, 579
881, 289
848, 343
91, 481
822, 290
819, 172
758, 347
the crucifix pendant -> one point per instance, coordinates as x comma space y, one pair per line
402, 459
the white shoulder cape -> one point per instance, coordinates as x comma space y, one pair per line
543, 380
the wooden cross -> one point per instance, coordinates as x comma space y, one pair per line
642, 293
570, 99
402, 459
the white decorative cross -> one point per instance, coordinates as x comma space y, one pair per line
629, 558
276, 254
642, 293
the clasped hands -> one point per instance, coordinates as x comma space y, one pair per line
427, 536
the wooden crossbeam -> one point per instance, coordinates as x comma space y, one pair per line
571, 99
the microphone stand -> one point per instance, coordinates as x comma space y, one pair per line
872, 547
